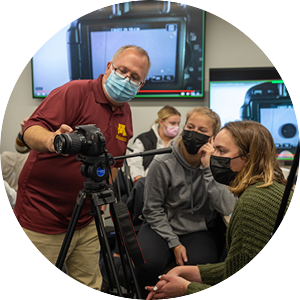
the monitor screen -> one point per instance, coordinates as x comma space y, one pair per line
259, 95
171, 33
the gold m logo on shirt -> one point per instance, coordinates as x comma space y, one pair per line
121, 130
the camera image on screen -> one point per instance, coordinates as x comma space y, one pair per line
270, 104
171, 33
257, 94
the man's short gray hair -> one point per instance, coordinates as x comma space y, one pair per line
134, 47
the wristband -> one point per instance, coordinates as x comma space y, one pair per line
20, 137
19, 145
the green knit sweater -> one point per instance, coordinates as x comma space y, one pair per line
249, 230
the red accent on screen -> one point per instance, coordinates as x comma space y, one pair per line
166, 91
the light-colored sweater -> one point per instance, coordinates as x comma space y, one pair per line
249, 230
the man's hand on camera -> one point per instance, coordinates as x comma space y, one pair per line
63, 129
40, 139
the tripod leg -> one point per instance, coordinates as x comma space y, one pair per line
105, 244
71, 229
104, 255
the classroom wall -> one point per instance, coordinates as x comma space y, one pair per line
225, 46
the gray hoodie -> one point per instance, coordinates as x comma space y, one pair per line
181, 199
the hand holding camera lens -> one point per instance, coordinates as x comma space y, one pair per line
64, 129
86, 139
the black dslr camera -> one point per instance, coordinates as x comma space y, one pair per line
89, 141
86, 139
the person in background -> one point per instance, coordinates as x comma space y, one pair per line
253, 174
164, 129
12, 164
182, 201
49, 183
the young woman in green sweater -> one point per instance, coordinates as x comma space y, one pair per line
245, 160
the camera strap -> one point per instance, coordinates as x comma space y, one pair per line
129, 233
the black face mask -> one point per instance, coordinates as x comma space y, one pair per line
193, 140
220, 169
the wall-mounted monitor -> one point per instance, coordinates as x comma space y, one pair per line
171, 33
257, 94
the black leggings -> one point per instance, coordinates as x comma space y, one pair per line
201, 248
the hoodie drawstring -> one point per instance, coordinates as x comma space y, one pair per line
191, 197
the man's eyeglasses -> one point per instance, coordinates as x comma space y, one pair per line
123, 75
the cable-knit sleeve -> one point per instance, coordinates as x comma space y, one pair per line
212, 274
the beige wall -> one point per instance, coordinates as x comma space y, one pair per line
225, 46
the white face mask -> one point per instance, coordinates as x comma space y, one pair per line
171, 131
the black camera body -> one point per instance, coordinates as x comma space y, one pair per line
89, 142
86, 139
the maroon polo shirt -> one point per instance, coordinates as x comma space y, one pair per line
49, 183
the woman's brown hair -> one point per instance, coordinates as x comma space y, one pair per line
256, 143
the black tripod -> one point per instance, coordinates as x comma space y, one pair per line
97, 189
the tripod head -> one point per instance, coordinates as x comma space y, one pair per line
96, 171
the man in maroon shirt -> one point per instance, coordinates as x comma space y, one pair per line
49, 183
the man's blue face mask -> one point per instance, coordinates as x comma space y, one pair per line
119, 88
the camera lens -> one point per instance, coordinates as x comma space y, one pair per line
68, 143
288, 130
60, 144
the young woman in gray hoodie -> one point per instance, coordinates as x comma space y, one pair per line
182, 201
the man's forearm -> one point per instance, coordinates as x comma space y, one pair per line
39, 138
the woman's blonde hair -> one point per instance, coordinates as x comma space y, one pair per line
166, 112
202, 110
256, 143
